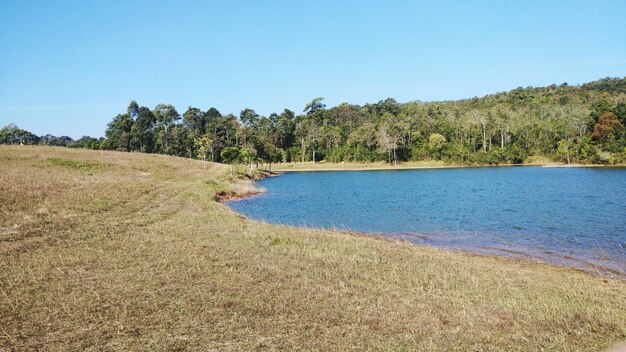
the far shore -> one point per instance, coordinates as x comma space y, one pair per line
325, 166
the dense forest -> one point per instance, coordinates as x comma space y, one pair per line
572, 124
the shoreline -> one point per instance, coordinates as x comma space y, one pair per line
320, 166
587, 266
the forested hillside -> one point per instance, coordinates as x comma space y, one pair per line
573, 124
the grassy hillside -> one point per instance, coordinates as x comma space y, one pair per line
114, 251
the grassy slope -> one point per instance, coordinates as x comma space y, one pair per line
105, 250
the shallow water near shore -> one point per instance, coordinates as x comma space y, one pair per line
570, 216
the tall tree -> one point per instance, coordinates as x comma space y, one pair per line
248, 117
118, 133
315, 105
142, 130
195, 120
166, 117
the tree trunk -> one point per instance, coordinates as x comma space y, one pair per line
484, 138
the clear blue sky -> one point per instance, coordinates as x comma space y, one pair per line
68, 67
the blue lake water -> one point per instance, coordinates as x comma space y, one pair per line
571, 216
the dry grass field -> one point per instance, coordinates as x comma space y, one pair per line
117, 251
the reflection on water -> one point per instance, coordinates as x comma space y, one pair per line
571, 216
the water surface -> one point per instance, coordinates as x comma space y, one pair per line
572, 216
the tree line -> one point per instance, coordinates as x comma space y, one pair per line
582, 124
11, 134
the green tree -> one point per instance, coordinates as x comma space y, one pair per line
230, 155
564, 150
272, 154
205, 146
436, 143
315, 105
195, 121
142, 130
389, 136
118, 133
248, 117
284, 129
11, 134
166, 117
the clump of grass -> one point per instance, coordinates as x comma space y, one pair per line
156, 264
275, 240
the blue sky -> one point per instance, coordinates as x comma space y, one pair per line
68, 67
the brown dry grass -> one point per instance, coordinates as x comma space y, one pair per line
118, 251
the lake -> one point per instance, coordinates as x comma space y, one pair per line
571, 216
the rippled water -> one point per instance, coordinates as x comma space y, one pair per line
572, 216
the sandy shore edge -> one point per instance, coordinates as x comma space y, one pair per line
310, 167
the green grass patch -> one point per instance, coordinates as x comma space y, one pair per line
76, 165
275, 240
